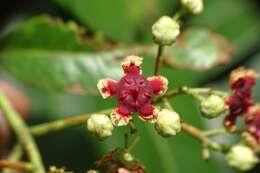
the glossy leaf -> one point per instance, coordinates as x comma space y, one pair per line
199, 49
56, 56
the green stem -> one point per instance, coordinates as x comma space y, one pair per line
158, 60
133, 144
180, 13
23, 134
223, 131
53, 126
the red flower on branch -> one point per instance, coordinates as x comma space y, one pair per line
133, 92
242, 82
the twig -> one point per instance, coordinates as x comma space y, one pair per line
223, 131
49, 127
158, 60
23, 134
24, 166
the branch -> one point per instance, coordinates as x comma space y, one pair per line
53, 126
23, 134
158, 60
24, 166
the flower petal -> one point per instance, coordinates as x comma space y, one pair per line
121, 116
148, 112
159, 85
107, 87
132, 64
241, 73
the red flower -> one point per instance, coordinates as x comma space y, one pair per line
252, 122
242, 82
133, 92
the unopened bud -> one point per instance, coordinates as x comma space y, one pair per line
168, 123
241, 157
213, 106
100, 125
194, 6
165, 30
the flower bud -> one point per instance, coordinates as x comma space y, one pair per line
194, 6
92, 171
165, 30
168, 123
213, 106
241, 157
100, 125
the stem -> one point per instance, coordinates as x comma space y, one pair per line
180, 13
133, 144
158, 60
195, 132
223, 131
126, 140
23, 134
15, 155
49, 127
16, 165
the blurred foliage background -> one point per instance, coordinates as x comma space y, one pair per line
38, 52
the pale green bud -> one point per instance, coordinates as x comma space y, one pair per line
194, 6
100, 125
168, 123
242, 158
213, 106
165, 30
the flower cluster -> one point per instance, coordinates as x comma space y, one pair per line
240, 102
133, 92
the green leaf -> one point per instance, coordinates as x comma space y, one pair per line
199, 49
49, 54
53, 55
119, 19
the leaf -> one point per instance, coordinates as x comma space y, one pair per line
199, 49
119, 19
56, 56
52, 55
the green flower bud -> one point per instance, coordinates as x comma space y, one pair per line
213, 106
168, 123
242, 158
128, 157
100, 125
165, 30
194, 6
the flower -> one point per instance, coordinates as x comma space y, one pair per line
165, 30
241, 157
133, 92
241, 82
252, 122
194, 6
100, 125
168, 123
213, 106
